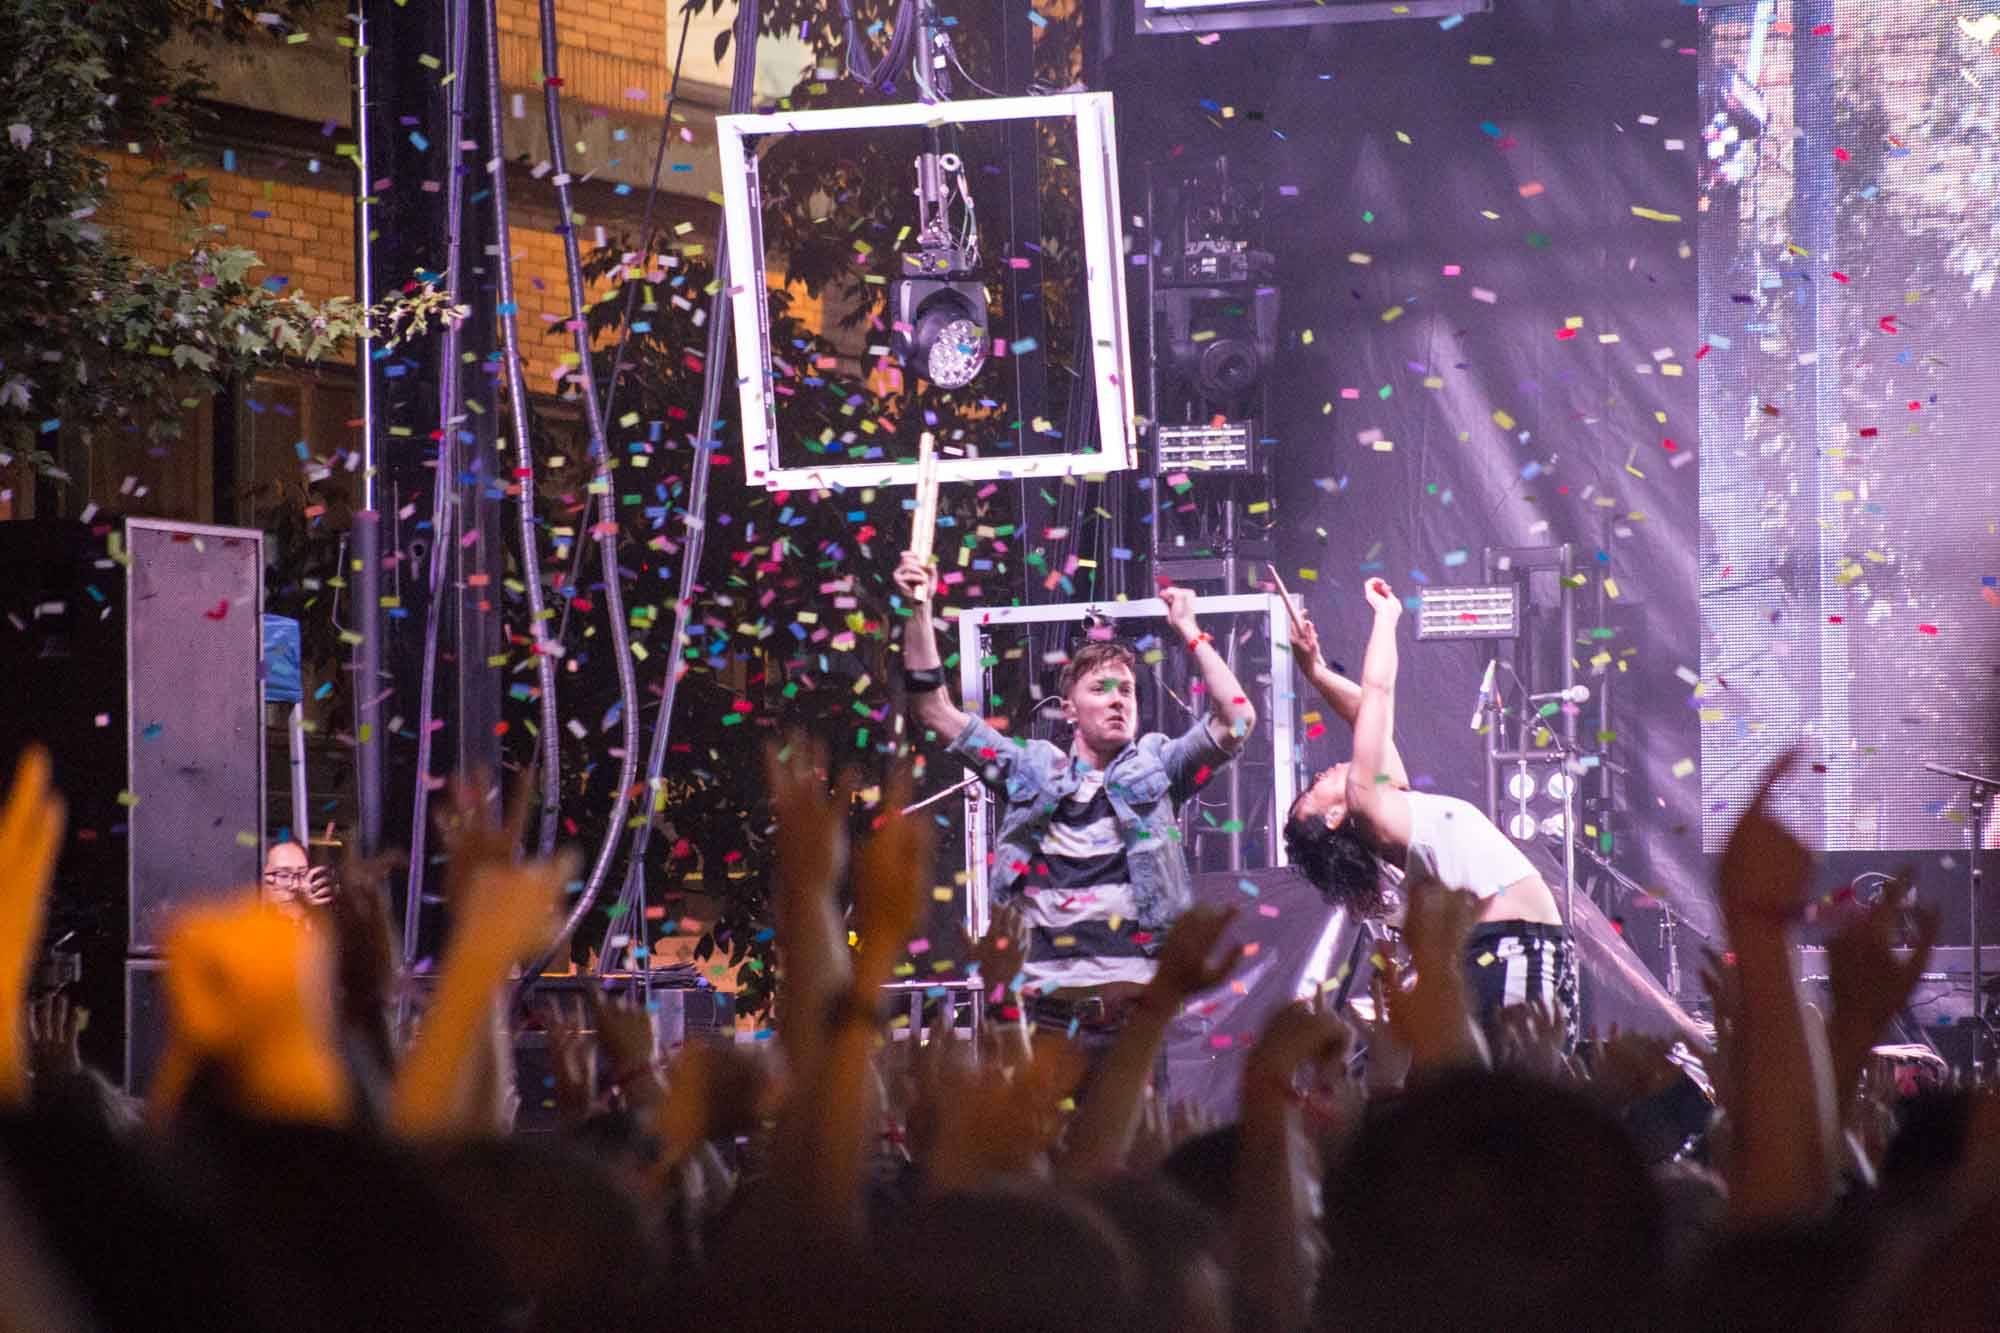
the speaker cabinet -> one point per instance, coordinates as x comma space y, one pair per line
194, 718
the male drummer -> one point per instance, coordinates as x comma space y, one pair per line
1358, 815
1089, 845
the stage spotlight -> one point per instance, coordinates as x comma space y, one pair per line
1521, 786
1552, 827
1219, 342
947, 328
938, 307
1558, 785
1521, 826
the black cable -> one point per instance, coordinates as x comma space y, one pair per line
631, 903
605, 529
883, 73
631, 294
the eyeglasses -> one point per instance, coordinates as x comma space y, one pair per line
288, 875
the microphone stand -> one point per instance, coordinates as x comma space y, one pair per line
1979, 795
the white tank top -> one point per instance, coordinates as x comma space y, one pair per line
1455, 841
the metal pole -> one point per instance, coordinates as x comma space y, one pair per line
1234, 772
367, 583
296, 738
695, 522
366, 599
1568, 761
524, 457
1975, 835
606, 527
443, 512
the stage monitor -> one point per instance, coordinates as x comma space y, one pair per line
1170, 18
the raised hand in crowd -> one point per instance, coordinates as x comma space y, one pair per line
1870, 984
812, 851
1529, 1039
1388, 1059
504, 913
1433, 1016
572, 1060
366, 968
31, 828
250, 1004
625, 1035
1163, 1127
1000, 953
715, 1092
1632, 1066
1782, 1123
1277, 1254
997, 1121
55, 1024
824, 1133
1191, 961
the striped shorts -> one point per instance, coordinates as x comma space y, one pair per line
1515, 962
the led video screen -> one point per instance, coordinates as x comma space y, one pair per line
1849, 380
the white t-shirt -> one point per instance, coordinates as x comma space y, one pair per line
1455, 841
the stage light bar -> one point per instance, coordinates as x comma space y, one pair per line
1170, 18
1470, 613
1228, 447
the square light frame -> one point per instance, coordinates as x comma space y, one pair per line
1275, 721
1104, 286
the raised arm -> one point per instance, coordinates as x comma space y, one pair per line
1783, 1121
933, 706
1370, 785
1231, 714
1341, 694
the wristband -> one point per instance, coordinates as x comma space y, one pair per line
1196, 640
922, 680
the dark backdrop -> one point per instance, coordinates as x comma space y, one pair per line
1438, 225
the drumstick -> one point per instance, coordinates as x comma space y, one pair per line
1284, 592
923, 524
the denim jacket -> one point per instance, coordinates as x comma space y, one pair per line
1147, 784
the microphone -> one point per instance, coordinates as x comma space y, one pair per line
1485, 691
1575, 694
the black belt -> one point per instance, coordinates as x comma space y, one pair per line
1092, 1011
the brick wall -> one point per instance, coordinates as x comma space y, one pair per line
300, 223
604, 48
305, 233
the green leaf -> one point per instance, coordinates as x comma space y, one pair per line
721, 44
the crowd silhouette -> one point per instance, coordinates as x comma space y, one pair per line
295, 1166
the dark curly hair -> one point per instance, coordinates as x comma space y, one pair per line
1339, 861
